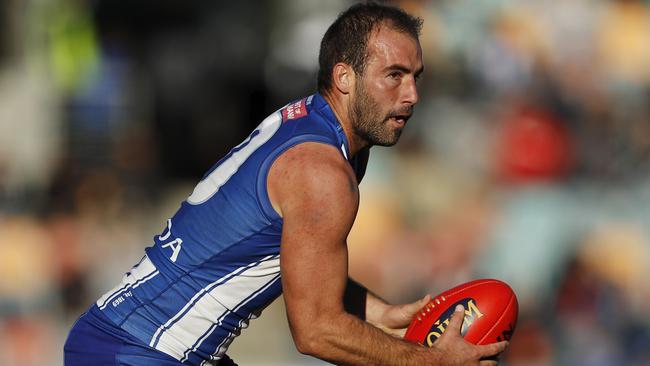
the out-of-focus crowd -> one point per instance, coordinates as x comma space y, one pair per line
527, 158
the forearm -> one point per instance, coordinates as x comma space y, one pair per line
347, 340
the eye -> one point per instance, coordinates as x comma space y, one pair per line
395, 75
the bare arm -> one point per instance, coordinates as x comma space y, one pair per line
315, 191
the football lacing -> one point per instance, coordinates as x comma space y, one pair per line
429, 306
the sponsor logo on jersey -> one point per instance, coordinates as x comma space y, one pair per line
472, 313
294, 110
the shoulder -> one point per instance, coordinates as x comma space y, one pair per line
312, 173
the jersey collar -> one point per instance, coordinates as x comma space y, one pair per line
321, 105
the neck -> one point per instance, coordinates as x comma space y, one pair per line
341, 107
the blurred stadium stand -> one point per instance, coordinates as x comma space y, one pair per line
527, 159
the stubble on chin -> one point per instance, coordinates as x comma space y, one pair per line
367, 122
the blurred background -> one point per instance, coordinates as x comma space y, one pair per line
527, 159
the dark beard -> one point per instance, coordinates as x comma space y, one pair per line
367, 121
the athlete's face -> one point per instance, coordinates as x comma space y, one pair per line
384, 95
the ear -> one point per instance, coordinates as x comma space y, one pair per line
343, 77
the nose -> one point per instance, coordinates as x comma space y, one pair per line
410, 92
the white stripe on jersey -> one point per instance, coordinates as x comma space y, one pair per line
243, 324
139, 274
210, 305
155, 339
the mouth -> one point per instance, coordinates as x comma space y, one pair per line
400, 120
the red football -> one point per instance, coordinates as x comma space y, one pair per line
490, 313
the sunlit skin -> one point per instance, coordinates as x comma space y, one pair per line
374, 106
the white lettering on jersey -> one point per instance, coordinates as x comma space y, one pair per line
166, 233
221, 174
139, 274
176, 248
174, 244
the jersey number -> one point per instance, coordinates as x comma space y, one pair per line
238, 155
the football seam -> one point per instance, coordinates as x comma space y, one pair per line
484, 282
474, 285
505, 311
488, 281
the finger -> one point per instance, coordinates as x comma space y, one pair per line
399, 333
488, 363
492, 349
423, 301
456, 321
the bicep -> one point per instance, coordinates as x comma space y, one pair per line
313, 275
318, 199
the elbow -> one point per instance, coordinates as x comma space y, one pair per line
304, 346
317, 333
308, 342
314, 339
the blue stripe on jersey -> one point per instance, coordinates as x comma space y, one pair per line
204, 291
207, 351
209, 309
203, 347
173, 298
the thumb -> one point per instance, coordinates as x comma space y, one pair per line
411, 309
423, 301
408, 311
457, 318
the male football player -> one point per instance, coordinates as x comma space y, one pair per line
271, 218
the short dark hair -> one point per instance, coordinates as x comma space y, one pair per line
346, 40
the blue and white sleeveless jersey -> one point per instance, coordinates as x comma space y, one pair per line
216, 264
